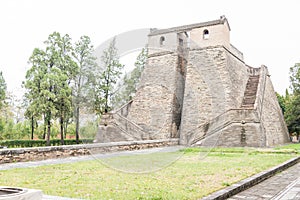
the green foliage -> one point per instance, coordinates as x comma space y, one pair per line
3, 88
40, 82
89, 130
57, 82
105, 83
83, 87
40, 143
281, 101
128, 86
10, 130
292, 102
295, 77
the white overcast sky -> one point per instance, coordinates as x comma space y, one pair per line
267, 32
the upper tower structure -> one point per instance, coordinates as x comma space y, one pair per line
199, 35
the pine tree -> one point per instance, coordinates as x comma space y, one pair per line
105, 83
3, 88
128, 86
86, 62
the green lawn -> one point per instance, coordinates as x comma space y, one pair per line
192, 176
295, 146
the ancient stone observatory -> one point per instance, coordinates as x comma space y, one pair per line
197, 87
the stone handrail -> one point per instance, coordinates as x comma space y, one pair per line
126, 105
220, 122
130, 127
226, 119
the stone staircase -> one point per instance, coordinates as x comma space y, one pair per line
250, 92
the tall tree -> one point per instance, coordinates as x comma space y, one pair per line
105, 83
292, 112
39, 86
48, 82
129, 84
2, 103
64, 70
3, 88
86, 62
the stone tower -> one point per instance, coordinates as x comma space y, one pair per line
197, 87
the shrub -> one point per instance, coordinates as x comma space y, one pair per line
40, 143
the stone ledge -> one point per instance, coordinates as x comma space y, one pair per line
42, 153
251, 181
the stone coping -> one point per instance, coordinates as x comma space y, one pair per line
23, 194
251, 181
84, 146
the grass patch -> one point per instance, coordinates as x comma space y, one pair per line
295, 147
287, 149
188, 178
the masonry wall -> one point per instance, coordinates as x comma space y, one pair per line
215, 83
228, 129
264, 127
157, 103
238, 77
272, 117
218, 35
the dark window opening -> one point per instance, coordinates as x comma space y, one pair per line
205, 34
162, 40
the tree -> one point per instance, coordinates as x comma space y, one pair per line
128, 86
48, 83
105, 83
39, 86
86, 62
3, 88
292, 102
282, 102
64, 70
3, 106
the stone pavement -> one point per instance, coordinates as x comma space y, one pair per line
285, 186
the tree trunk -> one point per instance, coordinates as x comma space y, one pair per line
32, 127
106, 94
48, 131
45, 129
66, 129
77, 125
62, 130
44, 134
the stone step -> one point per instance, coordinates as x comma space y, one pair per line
250, 92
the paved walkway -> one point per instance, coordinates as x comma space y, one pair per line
9, 166
285, 186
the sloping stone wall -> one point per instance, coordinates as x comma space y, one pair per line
272, 118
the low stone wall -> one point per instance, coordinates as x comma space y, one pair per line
42, 153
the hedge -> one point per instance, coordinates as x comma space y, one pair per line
40, 143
